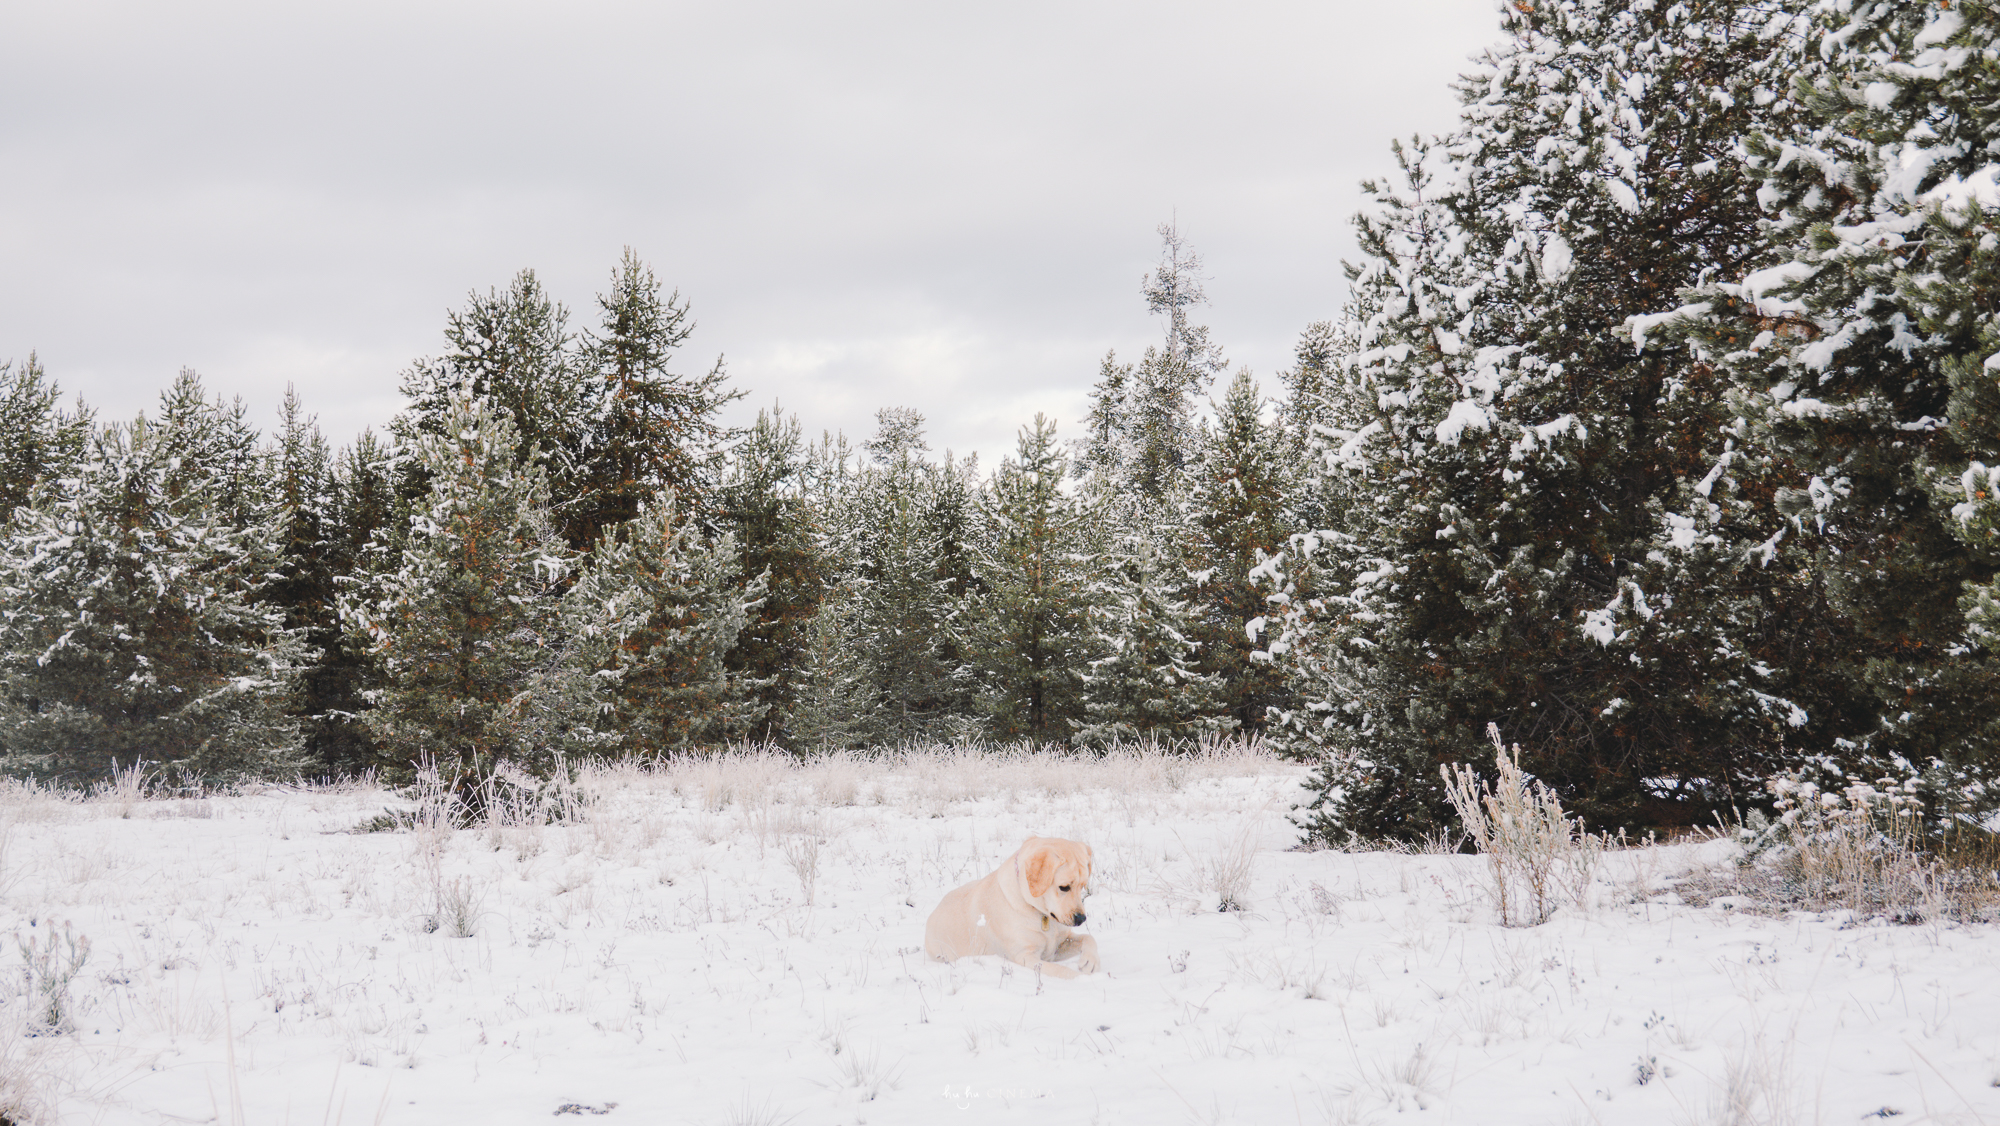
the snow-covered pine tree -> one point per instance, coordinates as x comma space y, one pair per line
1318, 402
212, 446
358, 536
1527, 474
657, 428
1865, 362
1146, 685
906, 515
510, 349
1171, 379
833, 703
303, 487
1142, 427
657, 610
1236, 517
464, 614
763, 504
1309, 381
1029, 638
133, 627
1106, 452
39, 441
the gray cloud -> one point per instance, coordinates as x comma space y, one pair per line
924, 204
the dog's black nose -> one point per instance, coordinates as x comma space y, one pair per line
1077, 919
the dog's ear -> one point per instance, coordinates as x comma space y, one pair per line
1040, 870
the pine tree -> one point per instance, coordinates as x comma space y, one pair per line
659, 609
1142, 426
134, 628
1309, 382
1237, 520
1146, 685
1029, 644
833, 703
358, 535
510, 349
1106, 451
1170, 379
1536, 540
1319, 402
902, 512
658, 428
904, 619
764, 506
303, 485
38, 440
211, 446
464, 617
1863, 364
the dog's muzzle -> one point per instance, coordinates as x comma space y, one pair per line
1076, 920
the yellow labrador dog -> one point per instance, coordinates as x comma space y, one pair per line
1022, 910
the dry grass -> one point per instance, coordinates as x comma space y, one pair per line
1865, 848
934, 776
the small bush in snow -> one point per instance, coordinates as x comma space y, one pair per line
1541, 858
1867, 848
49, 964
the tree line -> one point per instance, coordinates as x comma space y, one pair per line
1658, 428
558, 548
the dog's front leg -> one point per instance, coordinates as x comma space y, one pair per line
1031, 957
1085, 949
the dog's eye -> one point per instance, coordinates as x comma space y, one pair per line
1065, 887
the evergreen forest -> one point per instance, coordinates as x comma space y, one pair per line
1660, 427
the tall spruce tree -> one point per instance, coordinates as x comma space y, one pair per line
511, 349
39, 441
657, 611
764, 505
1236, 520
303, 485
1029, 642
211, 446
1309, 382
1146, 685
1536, 524
906, 615
657, 428
134, 628
358, 537
1142, 426
1863, 361
1172, 378
833, 702
464, 615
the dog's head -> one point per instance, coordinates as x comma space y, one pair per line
1057, 874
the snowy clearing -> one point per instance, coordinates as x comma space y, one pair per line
738, 942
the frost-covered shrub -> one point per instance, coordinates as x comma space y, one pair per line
1541, 859
1859, 846
48, 965
1866, 847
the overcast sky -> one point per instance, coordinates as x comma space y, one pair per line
936, 205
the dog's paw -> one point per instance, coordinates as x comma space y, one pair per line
1087, 962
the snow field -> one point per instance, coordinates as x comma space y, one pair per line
738, 941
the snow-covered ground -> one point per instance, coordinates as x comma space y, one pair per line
738, 942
